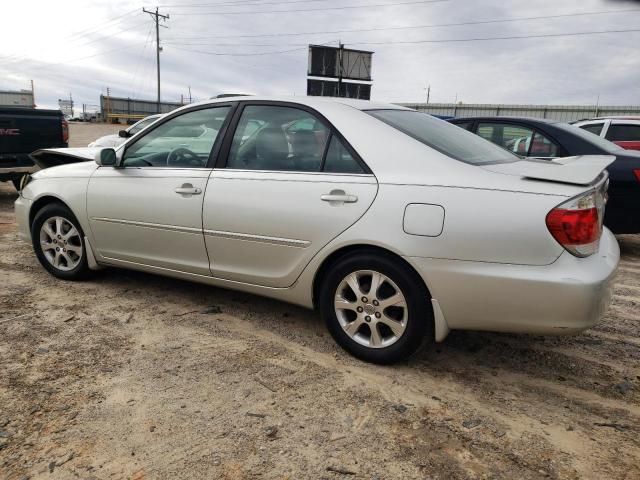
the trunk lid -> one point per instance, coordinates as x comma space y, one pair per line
578, 170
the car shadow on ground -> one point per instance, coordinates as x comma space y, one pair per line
476, 358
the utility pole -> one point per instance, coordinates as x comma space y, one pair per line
71, 104
190, 94
156, 18
33, 95
428, 89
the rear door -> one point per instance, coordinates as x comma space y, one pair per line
287, 185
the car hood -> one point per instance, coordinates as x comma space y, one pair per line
70, 170
578, 170
50, 157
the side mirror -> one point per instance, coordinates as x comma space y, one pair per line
124, 134
106, 157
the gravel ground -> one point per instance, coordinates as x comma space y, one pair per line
133, 376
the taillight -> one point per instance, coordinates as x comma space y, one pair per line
577, 223
65, 131
636, 172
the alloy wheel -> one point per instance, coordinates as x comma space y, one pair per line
371, 309
61, 243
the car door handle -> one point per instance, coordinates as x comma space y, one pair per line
188, 189
338, 196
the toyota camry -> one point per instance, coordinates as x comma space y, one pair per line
395, 225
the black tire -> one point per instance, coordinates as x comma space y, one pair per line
79, 271
419, 328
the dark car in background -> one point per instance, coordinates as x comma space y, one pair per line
23, 130
548, 139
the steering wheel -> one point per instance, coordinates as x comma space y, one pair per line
182, 156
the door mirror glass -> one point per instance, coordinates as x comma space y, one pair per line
123, 134
106, 157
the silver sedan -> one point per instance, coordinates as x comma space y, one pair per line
395, 225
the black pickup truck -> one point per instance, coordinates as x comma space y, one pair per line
23, 130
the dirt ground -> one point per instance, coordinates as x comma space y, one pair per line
134, 376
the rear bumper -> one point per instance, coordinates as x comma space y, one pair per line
567, 296
14, 166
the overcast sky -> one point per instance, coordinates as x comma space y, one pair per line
84, 46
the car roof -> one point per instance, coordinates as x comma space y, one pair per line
309, 101
547, 121
617, 117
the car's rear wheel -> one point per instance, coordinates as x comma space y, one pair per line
58, 241
376, 308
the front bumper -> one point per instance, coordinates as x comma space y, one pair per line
567, 296
22, 206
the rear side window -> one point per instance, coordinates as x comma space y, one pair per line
595, 128
339, 160
465, 125
444, 137
514, 138
623, 133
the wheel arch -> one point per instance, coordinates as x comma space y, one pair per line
347, 250
42, 202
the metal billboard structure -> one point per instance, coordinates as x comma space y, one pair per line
334, 65
116, 109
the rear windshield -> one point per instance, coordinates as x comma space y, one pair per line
445, 137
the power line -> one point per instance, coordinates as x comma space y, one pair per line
410, 42
243, 3
323, 9
226, 54
482, 39
100, 37
407, 27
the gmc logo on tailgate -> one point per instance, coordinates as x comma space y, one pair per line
9, 132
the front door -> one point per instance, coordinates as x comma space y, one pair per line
149, 210
289, 186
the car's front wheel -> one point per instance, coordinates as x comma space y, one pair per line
58, 242
376, 308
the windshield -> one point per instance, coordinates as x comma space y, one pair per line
593, 139
445, 137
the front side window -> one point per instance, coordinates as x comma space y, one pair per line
595, 128
184, 141
623, 133
444, 137
141, 124
278, 138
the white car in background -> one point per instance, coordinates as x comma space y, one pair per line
395, 225
624, 131
116, 140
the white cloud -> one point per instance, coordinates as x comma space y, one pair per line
48, 42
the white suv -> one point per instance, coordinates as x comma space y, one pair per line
623, 131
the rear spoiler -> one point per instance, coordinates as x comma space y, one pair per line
578, 170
